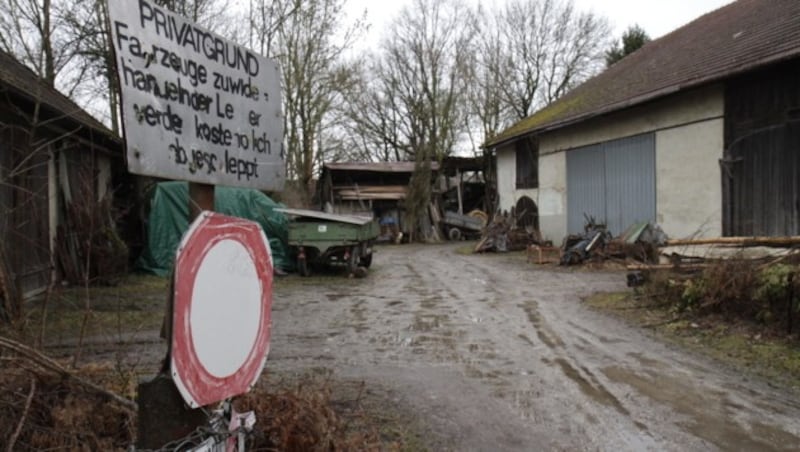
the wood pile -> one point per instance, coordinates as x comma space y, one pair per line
370, 192
88, 248
689, 255
502, 235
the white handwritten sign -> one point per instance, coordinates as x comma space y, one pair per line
196, 107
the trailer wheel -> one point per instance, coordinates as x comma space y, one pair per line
366, 261
352, 261
303, 268
454, 234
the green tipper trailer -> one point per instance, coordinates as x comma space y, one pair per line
324, 238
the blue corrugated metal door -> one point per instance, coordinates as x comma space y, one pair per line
615, 182
586, 181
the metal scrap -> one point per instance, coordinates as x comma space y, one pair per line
502, 234
639, 242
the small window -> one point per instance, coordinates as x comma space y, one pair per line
527, 151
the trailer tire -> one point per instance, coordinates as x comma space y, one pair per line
303, 268
454, 234
352, 261
366, 261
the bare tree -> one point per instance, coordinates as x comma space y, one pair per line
264, 17
210, 14
412, 103
87, 25
489, 110
549, 47
35, 32
371, 126
310, 44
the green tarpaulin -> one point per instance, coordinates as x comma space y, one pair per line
169, 213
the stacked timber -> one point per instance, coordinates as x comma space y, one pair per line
370, 192
693, 255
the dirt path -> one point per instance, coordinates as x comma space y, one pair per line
491, 354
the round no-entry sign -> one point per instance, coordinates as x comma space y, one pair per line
222, 308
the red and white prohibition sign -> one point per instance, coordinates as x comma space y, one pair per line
222, 308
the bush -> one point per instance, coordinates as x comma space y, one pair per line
736, 289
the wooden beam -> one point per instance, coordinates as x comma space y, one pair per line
201, 197
739, 241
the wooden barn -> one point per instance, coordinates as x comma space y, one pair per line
60, 170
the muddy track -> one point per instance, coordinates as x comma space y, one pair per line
495, 355
490, 353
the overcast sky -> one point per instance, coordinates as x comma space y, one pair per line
657, 17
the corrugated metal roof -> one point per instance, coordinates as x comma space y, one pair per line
733, 39
26, 83
379, 167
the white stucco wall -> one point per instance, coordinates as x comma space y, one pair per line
506, 177
675, 111
688, 180
552, 200
689, 143
507, 180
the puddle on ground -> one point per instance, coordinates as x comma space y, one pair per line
648, 362
597, 393
711, 417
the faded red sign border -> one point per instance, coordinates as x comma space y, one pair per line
195, 383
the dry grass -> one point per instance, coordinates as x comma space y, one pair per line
45, 411
305, 417
738, 312
41, 410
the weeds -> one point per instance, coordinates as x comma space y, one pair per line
302, 418
734, 289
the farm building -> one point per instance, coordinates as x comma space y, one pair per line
379, 189
370, 189
698, 131
57, 166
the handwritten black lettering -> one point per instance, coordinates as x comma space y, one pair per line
254, 118
204, 159
151, 116
193, 38
235, 85
217, 134
179, 153
166, 90
241, 168
228, 110
242, 141
261, 143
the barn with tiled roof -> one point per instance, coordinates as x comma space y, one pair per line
698, 131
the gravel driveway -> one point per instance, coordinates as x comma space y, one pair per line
491, 353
